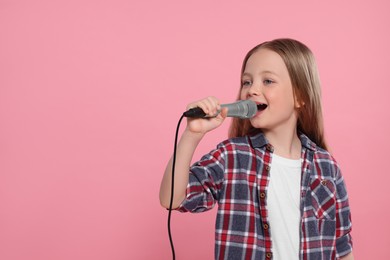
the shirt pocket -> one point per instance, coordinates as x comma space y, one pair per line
323, 198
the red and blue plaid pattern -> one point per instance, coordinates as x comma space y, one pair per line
235, 176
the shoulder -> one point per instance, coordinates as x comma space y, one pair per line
235, 142
326, 163
322, 155
236, 147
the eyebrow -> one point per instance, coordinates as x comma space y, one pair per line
262, 72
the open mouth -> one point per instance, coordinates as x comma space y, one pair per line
261, 107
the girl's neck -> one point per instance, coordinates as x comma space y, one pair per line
286, 144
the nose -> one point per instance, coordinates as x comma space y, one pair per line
254, 90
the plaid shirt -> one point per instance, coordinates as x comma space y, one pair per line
236, 175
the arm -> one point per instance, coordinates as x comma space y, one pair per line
193, 134
185, 150
343, 219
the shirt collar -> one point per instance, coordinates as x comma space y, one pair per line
307, 143
258, 140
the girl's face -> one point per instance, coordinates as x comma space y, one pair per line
267, 82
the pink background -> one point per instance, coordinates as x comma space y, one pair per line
91, 91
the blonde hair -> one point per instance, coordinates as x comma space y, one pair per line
302, 69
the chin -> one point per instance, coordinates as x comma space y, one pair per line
257, 124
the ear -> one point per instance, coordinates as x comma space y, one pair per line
298, 103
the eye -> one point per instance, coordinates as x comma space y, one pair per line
268, 82
246, 83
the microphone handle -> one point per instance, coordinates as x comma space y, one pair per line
195, 112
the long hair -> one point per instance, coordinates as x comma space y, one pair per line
302, 69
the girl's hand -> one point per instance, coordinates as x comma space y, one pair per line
211, 107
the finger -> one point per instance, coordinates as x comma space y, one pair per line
213, 106
209, 105
224, 112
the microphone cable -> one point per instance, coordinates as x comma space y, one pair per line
172, 188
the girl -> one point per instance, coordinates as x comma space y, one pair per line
280, 194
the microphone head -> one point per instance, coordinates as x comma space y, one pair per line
242, 109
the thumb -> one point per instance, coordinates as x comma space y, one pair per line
224, 112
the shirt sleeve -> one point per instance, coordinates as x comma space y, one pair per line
343, 218
205, 182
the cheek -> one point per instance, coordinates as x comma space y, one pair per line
282, 98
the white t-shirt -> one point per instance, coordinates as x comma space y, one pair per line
283, 198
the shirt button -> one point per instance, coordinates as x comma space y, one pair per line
265, 226
267, 168
268, 255
262, 195
270, 148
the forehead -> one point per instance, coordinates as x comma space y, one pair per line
265, 60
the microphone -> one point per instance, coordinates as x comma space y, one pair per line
242, 109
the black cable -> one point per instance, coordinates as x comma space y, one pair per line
172, 187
